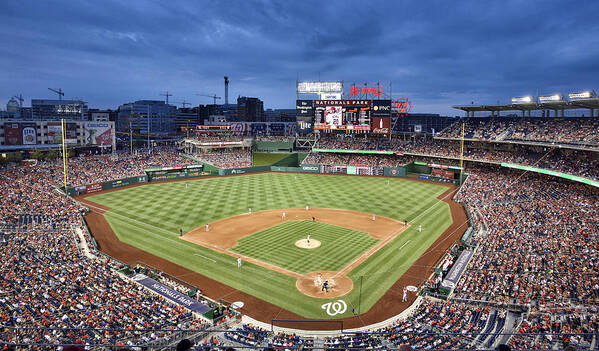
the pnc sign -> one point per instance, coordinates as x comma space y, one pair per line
376, 91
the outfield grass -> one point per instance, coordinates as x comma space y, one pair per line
149, 217
276, 245
267, 159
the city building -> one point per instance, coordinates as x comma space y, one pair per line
250, 109
143, 114
52, 110
280, 115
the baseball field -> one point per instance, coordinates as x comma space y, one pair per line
359, 241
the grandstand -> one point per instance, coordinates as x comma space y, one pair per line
532, 280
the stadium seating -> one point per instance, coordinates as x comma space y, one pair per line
540, 251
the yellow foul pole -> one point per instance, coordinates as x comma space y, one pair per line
462, 154
64, 156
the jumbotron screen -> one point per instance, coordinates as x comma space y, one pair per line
342, 114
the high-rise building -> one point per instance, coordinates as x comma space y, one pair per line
250, 109
143, 114
48, 110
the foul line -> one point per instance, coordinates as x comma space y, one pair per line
205, 257
406, 243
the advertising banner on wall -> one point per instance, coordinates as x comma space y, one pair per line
12, 133
98, 134
29, 132
54, 135
333, 115
304, 108
381, 125
71, 133
381, 108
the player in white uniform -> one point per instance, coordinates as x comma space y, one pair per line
319, 279
373, 217
239, 262
420, 228
207, 227
307, 208
308, 239
283, 216
405, 295
250, 210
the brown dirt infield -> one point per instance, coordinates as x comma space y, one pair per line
386, 307
339, 284
225, 233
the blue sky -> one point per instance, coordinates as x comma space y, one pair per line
436, 53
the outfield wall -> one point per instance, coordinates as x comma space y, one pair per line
209, 170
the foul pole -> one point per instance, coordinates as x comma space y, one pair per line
462, 154
64, 157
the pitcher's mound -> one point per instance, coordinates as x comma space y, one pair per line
339, 285
304, 244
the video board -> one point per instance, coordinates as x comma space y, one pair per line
342, 115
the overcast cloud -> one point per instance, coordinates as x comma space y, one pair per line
436, 53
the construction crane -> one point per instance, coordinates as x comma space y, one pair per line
59, 92
211, 96
167, 95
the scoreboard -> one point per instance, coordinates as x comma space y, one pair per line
357, 115
342, 114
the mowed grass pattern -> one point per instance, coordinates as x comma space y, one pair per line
276, 245
149, 217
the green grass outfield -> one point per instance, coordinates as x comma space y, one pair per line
276, 245
149, 217
267, 159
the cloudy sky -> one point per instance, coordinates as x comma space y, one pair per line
436, 53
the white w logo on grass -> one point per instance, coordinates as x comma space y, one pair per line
335, 308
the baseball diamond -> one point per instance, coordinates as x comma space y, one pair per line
377, 252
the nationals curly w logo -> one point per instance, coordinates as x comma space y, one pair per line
335, 308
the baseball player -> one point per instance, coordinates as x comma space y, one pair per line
373, 217
319, 279
207, 227
420, 228
308, 239
283, 216
313, 219
186, 185
180, 231
307, 208
250, 210
405, 295
238, 262
325, 286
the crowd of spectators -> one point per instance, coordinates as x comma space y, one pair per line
48, 281
569, 161
541, 250
227, 158
581, 131
340, 159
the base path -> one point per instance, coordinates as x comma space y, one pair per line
387, 306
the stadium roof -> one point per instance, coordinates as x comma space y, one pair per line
591, 103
